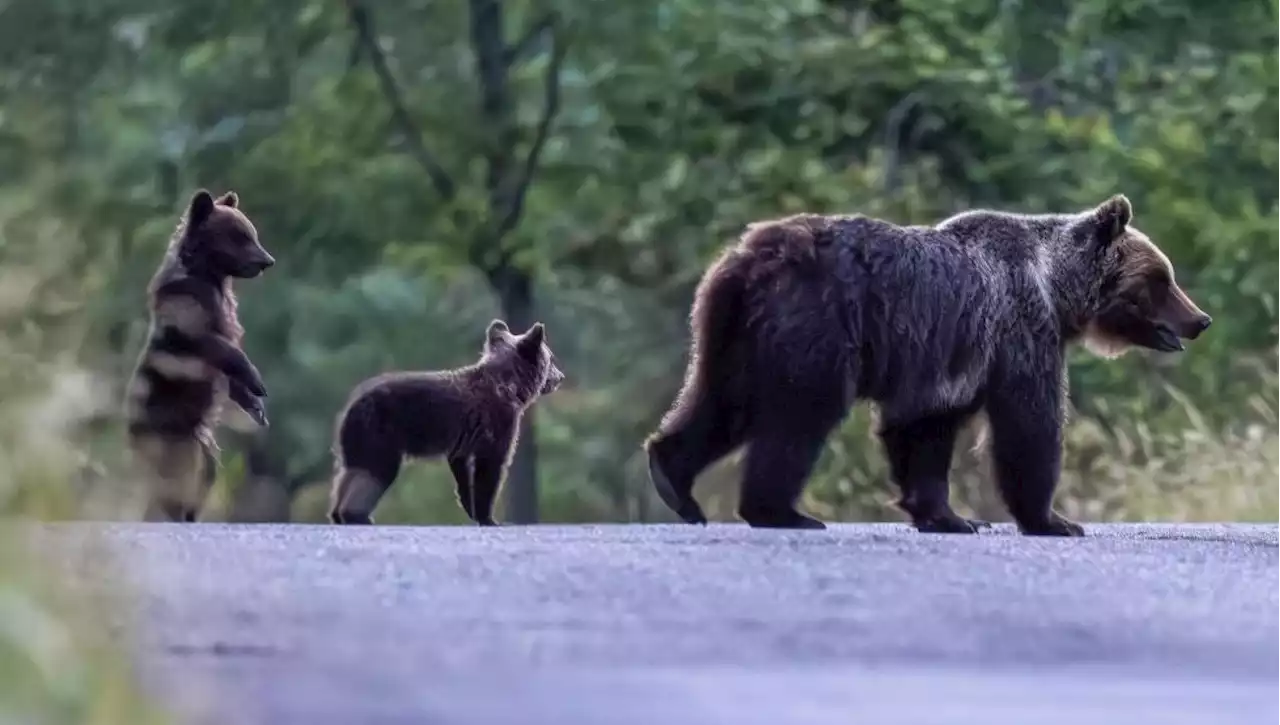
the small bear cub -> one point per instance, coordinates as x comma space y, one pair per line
193, 360
470, 416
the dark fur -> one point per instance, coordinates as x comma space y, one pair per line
471, 416
807, 314
192, 358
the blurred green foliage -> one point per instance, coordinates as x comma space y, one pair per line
61, 658
381, 149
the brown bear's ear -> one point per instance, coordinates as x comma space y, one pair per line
200, 208
229, 199
531, 342
1113, 217
497, 331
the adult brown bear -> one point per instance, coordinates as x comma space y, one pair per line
807, 314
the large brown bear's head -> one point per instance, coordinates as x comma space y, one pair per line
1140, 304
219, 240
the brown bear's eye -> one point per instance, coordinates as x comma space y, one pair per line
1158, 288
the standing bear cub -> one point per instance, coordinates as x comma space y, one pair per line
471, 416
807, 314
192, 359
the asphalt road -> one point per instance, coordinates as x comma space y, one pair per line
661, 625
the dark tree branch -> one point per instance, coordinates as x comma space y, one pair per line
363, 23
525, 44
355, 54
550, 108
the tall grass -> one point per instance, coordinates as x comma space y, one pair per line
58, 663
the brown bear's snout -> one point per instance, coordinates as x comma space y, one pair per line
265, 260
1185, 317
260, 263
1198, 326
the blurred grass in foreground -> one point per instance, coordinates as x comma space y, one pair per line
59, 660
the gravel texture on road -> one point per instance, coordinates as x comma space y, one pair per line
666, 624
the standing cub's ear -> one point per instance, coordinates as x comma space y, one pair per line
497, 331
1113, 217
531, 341
200, 208
229, 199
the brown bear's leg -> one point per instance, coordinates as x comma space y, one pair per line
208, 477
777, 467
171, 467
463, 475
490, 467
355, 495
919, 456
678, 456
1025, 414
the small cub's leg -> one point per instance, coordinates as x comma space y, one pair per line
490, 469
171, 467
355, 495
462, 466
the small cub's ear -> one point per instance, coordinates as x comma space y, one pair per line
497, 331
531, 341
200, 208
229, 199
1113, 216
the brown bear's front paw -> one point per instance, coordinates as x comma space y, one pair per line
950, 523
764, 518
1056, 525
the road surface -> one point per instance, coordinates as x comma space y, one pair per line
672, 624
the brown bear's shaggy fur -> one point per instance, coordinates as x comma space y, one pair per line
471, 416
192, 358
807, 314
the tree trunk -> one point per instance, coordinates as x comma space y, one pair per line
515, 295
266, 495
506, 182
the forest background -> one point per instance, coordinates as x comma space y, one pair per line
419, 168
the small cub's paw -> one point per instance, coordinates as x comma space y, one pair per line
487, 522
258, 412
254, 382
